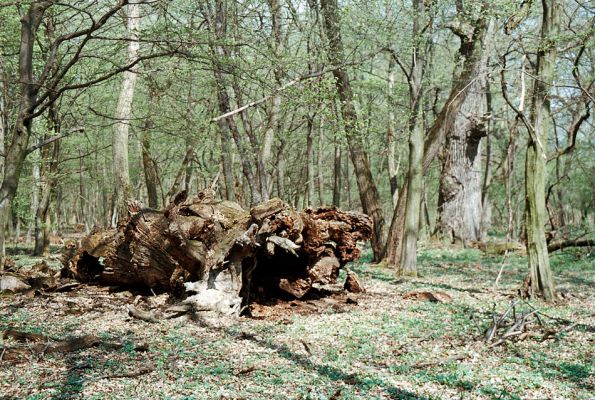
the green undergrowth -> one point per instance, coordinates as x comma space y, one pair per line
386, 347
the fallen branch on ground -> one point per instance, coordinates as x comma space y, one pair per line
39, 345
518, 324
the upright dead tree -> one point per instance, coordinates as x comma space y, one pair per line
368, 192
123, 115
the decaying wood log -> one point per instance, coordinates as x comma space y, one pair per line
219, 255
563, 244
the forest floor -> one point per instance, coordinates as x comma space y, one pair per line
385, 346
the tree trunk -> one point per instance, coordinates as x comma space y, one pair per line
337, 185
17, 150
37, 186
149, 168
460, 194
369, 196
217, 23
408, 262
273, 118
148, 164
540, 275
48, 170
390, 134
435, 135
319, 164
123, 116
3, 134
309, 195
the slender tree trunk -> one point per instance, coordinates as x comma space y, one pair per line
540, 275
309, 195
17, 150
337, 186
369, 196
179, 178
273, 118
281, 170
123, 116
408, 262
149, 168
36, 184
48, 170
319, 167
217, 22
3, 134
486, 206
390, 134
346, 181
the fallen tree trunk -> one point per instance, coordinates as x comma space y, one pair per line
562, 244
218, 254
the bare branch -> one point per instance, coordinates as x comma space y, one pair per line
573, 132
286, 86
54, 138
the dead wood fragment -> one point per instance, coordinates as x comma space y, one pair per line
13, 283
563, 244
8, 264
352, 283
325, 270
22, 336
246, 371
437, 297
147, 316
297, 288
520, 324
38, 345
74, 344
220, 255
131, 374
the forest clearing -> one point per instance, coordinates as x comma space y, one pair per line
303, 199
378, 345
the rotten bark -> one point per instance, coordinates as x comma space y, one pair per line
223, 253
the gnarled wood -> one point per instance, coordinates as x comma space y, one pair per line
220, 253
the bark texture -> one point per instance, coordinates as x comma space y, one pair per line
408, 261
219, 253
460, 194
122, 117
540, 280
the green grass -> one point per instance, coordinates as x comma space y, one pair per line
384, 348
